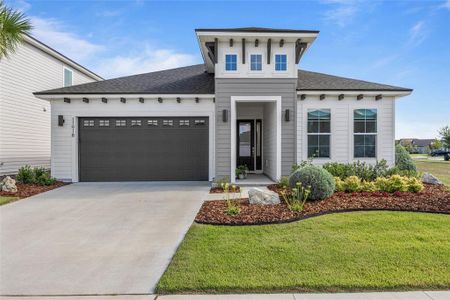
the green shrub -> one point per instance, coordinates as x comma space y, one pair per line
25, 174
403, 160
414, 185
352, 184
320, 180
296, 198
45, 179
339, 184
283, 182
368, 186
302, 164
363, 170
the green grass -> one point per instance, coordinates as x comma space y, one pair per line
5, 200
338, 252
439, 168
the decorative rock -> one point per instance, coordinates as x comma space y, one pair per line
429, 178
8, 185
259, 196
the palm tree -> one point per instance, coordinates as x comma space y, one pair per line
13, 26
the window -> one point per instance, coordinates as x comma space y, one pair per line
280, 62
88, 123
68, 77
167, 122
256, 62
136, 123
103, 123
365, 132
200, 122
121, 123
319, 129
152, 122
184, 122
230, 62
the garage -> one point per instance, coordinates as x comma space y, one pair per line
143, 148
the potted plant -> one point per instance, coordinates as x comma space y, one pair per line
241, 172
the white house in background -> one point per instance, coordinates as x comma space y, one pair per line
247, 104
25, 119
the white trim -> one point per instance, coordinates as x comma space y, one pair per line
250, 63
118, 96
352, 93
64, 76
258, 34
233, 115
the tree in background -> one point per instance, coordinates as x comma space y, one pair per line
444, 132
435, 145
13, 26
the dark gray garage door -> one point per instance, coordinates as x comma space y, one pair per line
127, 149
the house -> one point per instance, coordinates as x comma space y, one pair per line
25, 119
247, 104
418, 146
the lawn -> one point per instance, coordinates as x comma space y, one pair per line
337, 252
6, 199
439, 168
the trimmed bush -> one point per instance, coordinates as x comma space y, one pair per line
414, 185
320, 180
363, 170
403, 160
352, 184
339, 184
36, 175
25, 175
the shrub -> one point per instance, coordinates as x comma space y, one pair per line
339, 184
381, 183
414, 185
25, 175
320, 180
45, 179
283, 182
302, 164
397, 183
368, 186
403, 160
295, 199
352, 184
363, 170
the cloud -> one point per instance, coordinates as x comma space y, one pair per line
20, 5
418, 33
342, 13
147, 60
53, 33
108, 13
446, 4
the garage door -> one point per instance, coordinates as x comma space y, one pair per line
127, 149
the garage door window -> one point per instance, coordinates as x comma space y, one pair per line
200, 122
103, 123
167, 122
184, 122
88, 123
152, 122
136, 122
121, 123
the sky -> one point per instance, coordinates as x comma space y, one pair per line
402, 43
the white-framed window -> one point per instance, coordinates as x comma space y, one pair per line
364, 133
67, 77
200, 122
88, 123
121, 123
319, 132
136, 122
280, 62
230, 62
103, 123
255, 62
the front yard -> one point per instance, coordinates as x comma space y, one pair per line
439, 168
337, 252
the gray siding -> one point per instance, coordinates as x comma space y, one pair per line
225, 88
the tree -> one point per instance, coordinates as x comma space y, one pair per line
444, 132
436, 145
13, 26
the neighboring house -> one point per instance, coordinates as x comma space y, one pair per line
25, 119
247, 104
418, 146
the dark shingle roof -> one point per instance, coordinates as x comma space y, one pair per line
194, 80
184, 80
255, 29
313, 81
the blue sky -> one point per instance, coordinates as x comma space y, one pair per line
404, 43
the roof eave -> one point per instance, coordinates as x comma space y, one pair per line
369, 92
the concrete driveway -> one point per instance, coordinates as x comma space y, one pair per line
94, 238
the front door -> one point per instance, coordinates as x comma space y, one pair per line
249, 145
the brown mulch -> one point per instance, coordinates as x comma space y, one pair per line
219, 190
27, 190
431, 199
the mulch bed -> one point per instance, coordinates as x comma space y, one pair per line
219, 190
432, 198
27, 190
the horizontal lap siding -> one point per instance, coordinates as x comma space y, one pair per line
25, 119
225, 88
342, 126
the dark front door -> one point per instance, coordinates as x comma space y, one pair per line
143, 148
245, 144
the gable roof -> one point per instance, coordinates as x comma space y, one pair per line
313, 81
195, 80
255, 29
52, 52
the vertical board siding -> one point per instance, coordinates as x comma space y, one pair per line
342, 127
269, 140
25, 119
225, 88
